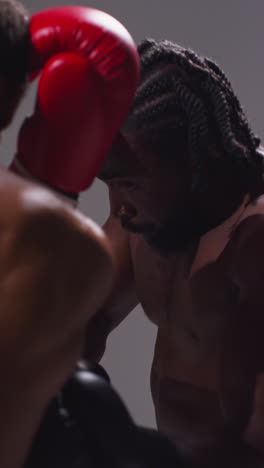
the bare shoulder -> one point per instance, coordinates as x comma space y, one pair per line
251, 224
20, 199
247, 245
34, 217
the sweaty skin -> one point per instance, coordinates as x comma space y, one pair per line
207, 302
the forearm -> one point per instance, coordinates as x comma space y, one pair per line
96, 334
99, 328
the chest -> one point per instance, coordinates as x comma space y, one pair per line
192, 296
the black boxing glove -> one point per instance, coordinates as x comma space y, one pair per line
88, 426
84, 425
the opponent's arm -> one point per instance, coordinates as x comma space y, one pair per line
242, 355
55, 270
89, 74
122, 298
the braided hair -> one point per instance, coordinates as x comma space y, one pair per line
14, 42
186, 102
15, 46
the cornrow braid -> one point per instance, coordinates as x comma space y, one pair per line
190, 98
14, 42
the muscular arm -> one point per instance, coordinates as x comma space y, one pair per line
242, 358
55, 271
122, 298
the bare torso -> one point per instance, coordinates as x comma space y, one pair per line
191, 298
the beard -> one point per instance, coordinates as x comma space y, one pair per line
175, 234
172, 236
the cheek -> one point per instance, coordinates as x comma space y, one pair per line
160, 200
154, 202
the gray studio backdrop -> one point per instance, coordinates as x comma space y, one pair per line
232, 33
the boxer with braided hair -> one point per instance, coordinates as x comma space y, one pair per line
185, 179
186, 102
178, 87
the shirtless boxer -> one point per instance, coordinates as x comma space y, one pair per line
185, 180
56, 265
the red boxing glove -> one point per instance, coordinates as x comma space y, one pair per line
90, 70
